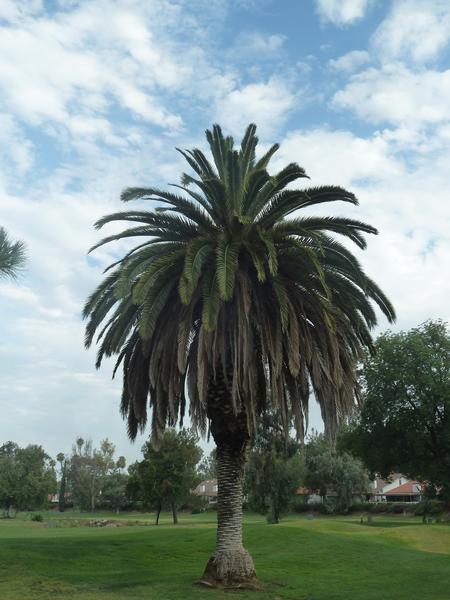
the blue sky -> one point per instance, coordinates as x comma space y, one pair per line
95, 95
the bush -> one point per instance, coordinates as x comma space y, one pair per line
361, 507
37, 517
379, 507
429, 507
197, 510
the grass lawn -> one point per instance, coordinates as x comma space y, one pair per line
321, 559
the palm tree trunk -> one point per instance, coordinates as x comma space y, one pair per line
231, 565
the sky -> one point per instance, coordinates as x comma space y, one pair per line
96, 94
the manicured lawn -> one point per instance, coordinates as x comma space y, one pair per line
300, 559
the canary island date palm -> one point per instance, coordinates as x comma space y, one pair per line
12, 255
229, 307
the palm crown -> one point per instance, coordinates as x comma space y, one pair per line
224, 284
12, 255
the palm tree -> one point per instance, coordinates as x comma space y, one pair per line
227, 299
12, 255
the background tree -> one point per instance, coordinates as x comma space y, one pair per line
63, 465
12, 255
27, 477
115, 485
207, 469
274, 471
167, 476
89, 469
404, 424
333, 472
226, 297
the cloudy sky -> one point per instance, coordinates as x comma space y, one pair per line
95, 95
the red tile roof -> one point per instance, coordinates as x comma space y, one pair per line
406, 489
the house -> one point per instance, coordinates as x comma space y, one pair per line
207, 490
309, 496
397, 488
54, 498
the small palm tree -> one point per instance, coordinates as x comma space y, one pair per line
228, 302
12, 255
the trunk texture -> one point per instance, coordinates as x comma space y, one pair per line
158, 512
174, 514
231, 565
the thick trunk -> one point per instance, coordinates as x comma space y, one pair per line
274, 516
230, 565
158, 512
174, 514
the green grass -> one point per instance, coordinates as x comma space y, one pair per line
300, 559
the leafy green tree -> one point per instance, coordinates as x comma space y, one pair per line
89, 468
63, 465
27, 477
167, 475
225, 297
334, 472
12, 255
319, 464
404, 424
115, 485
274, 471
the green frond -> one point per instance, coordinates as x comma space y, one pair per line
307, 226
257, 259
248, 147
283, 302
13, 256
272, 257
381, 299
227, 264
211, 301
160, 270
288, 201
265, 158
154, 303
196, 256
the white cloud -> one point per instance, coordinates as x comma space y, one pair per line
255, 45
267, 104
414, 30
350, 61
342, 12
406, 199
15, 148
58, 69
339, 157
14, 10
394, 94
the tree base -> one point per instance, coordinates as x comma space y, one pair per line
230, 569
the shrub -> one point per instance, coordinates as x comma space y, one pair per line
37, 517
429, 507
299, 505
380, 507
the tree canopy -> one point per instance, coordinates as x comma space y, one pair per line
334, 472
274, 471
90, 471
271, 303
167, 475
404, 424
27, 476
